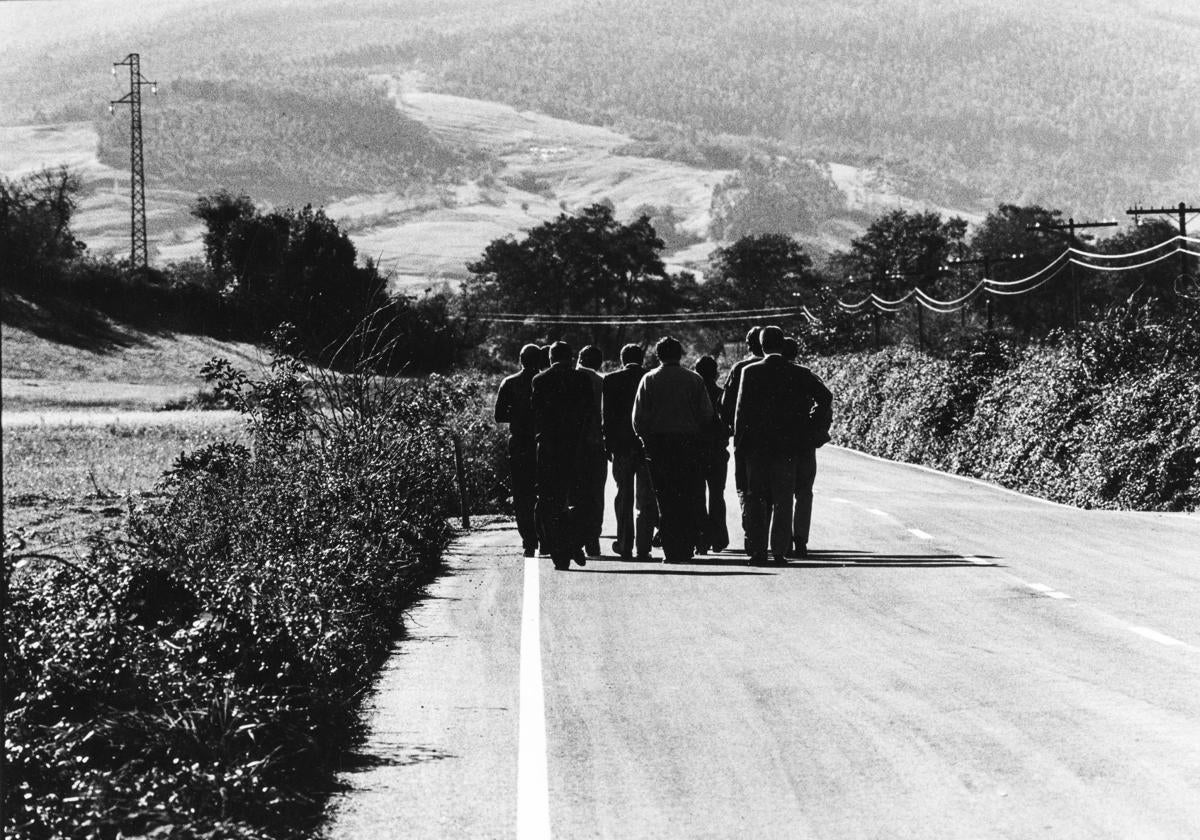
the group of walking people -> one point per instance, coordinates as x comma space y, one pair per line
666, 432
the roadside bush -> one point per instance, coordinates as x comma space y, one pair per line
201, 677
1105, 417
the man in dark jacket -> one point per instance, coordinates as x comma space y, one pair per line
630, 471
772, 423
714, 464
562, 407
587, 496
729, 396
514, 406
806, 458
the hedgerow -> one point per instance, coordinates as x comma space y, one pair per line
1106, 417
201, 677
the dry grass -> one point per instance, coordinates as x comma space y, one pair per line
63, 483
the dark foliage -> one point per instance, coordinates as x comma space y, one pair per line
202, 677
1108, 416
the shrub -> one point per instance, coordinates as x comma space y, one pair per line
1106, 417
200, 678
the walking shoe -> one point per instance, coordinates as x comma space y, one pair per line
593, 549
562, 567
799, 551
645, 558
780, 560
529, 552
757, 560
580, 559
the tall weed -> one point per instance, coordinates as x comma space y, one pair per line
201, 677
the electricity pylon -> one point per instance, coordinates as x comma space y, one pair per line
139, 258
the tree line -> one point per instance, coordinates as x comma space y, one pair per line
296, 266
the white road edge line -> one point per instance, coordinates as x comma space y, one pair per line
1155, 636
533, 793
917, 532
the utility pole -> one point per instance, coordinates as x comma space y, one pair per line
987, 261
916, 302
1070, 226
139, 258
1181, 211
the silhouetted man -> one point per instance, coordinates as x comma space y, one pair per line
562, 406
714, 463
772, 423
629, 468
806, 457
728, 406
588, 494
514, 406
671, 413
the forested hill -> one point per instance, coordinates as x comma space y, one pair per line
1089, 105
1086, 106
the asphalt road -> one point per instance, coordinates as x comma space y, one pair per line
953, 661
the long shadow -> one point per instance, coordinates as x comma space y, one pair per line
668, 570
68, 322
832, 558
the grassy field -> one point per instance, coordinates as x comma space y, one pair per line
63, 483
119, 370
81, 441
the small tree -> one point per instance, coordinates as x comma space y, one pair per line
583, 264
36, 242
768, 269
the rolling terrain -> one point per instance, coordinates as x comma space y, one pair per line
429, 129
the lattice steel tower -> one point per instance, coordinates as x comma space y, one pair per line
139, 258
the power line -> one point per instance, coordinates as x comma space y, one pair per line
139, 257
1070, 226
1180, 211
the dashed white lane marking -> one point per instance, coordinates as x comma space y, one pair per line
917, 532
879, 512
1050, 591
1155, 636
533, 794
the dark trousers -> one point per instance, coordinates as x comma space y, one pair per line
635, 507
739, 482
716, 469
770, 482
587, 495
679, 489
522, 468
555, 519
806, 474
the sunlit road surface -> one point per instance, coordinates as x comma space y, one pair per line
952, 661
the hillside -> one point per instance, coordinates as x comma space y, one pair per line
890, 103
101, 365
1056, 103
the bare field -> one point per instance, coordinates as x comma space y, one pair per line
81, 441
64, 483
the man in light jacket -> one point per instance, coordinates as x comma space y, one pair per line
671, 414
